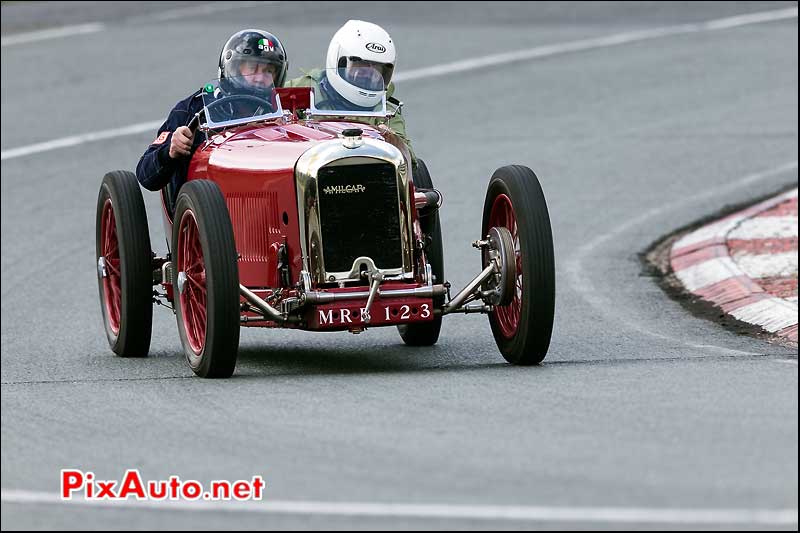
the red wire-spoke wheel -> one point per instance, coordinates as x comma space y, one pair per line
192, 282
124, 264
522, 328
206, 277
502, 216
111, 275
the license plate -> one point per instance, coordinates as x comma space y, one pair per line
344, 315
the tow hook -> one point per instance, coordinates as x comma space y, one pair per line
376, 277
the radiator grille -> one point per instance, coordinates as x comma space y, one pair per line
359, 214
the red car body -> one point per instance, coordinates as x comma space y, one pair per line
299, 220
254, 167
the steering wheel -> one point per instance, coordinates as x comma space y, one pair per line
262, 103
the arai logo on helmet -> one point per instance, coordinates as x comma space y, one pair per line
343, 189
265, 44
376, 47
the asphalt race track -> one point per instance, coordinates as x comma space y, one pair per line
641, 416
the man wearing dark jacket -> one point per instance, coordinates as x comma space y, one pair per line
252, 61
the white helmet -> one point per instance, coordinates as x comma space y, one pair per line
360, 62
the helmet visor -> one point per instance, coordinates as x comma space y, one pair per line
367, 75
253, 73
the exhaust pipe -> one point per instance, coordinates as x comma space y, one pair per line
269, 311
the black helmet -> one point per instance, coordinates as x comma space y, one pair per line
256, 46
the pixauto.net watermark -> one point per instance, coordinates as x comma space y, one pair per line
78, 484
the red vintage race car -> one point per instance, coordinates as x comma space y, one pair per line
312, 219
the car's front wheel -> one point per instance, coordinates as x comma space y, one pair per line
206, 276
515, 201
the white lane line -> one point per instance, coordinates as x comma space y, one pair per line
494, 60
631, 515
781, 265
594, 43
751, 18
764, 227
203, 9
582, 283
53, 33
94, 27
75, 140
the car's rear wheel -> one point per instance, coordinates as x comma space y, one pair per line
124, 264
207, 279
427, 333
515, 201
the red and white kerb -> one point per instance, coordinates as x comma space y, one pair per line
746, 264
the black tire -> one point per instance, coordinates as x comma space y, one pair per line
126, 282
528, 342
200, 202
427, 333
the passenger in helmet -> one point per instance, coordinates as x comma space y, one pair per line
251, 62
358, 73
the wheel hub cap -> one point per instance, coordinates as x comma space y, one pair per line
181, 281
